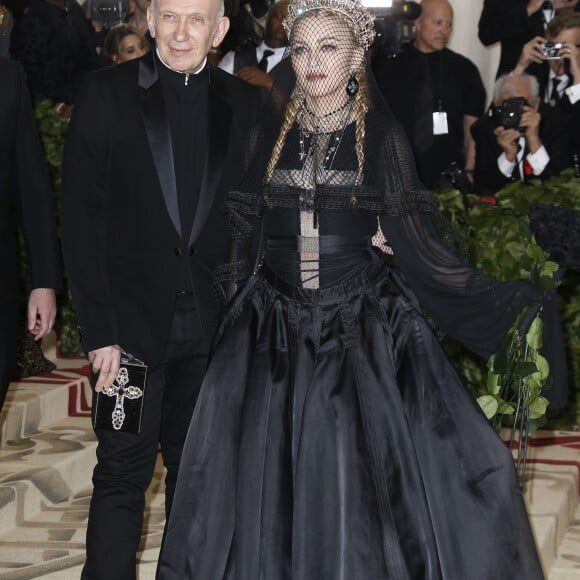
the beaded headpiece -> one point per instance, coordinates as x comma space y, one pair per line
360, 17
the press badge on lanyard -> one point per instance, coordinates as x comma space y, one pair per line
440, 126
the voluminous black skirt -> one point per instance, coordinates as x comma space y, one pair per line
332, 440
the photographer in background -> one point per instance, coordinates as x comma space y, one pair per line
514, 22
555, 62
520, 138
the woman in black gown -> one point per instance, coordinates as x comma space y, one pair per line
332, 439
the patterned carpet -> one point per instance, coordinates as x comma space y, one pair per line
47, 453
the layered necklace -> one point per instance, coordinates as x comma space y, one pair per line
333, 123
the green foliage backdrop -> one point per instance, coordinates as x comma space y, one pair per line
496, 236
52, 128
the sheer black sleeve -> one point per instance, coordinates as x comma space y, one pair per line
244, 207
471, 307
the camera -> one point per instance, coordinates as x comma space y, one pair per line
509, 114
393, 24
551, 50
455, 176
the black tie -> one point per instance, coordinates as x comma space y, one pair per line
263, 64
555, 98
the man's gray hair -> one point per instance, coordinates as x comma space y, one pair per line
221, 9
508, 81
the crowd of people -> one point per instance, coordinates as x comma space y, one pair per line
218, 210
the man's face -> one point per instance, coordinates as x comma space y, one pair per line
520, 88
275, 35
570, 36
185, 31
433, 28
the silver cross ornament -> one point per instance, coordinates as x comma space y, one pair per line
120, 390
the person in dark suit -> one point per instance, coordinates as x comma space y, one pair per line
559, 77
24, 193
254, 63
514, 22
56, 46
539, 148
153, 146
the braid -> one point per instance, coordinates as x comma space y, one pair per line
289, 118
360, 110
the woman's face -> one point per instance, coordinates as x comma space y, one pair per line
324, 56
131, 47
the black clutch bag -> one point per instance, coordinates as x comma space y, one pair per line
120, 406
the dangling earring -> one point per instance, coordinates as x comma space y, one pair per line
352, 86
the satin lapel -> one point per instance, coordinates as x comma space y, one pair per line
218, 132
159, 137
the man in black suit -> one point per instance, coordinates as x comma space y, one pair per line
153, 146
559, 76
515, 22
24, 194
252, 63
537, 148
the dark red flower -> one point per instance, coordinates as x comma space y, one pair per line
489, 199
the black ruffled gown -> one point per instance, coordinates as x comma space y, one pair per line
332, 439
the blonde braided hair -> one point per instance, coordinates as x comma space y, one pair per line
292, 110
360, 110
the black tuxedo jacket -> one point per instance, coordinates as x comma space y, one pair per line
25, 194
120, 217
571, 111
553, 133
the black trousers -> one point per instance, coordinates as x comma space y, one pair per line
9, 316
125, 461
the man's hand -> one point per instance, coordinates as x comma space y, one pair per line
531, 120
561, 5
534, 6
41, 312
507, 139
105, 361
255, 76
571, 53
533, 51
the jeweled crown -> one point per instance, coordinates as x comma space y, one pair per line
361, 18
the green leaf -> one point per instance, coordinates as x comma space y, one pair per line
538, 407
489, 405
534, 334
536, 253
551, 266
543, 367
505, 409
493, 385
